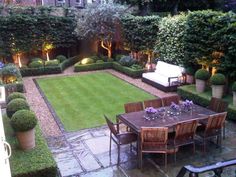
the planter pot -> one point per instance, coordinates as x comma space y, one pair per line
189, 79
26, 139
200, 85
234, 98
217, 91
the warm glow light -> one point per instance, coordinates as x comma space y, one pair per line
19, 60
47, 47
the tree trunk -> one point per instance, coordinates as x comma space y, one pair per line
107, 46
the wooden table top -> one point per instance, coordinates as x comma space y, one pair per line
136, 120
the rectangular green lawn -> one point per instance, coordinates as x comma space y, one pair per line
81, 101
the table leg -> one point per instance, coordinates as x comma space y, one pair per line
139, 151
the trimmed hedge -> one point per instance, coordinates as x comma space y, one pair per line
15, 95
203, 99
16, 105
128, 71
37, 162
17, 87
49, 69
94, 66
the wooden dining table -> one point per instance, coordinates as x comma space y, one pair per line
136, 120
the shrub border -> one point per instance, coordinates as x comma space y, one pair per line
203, 101
110, 65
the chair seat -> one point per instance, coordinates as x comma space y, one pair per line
180, 142
213, 133
158, 148
125, 138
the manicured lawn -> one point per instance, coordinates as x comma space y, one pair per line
81, 101
37, 162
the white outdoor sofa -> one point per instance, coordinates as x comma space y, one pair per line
166, 77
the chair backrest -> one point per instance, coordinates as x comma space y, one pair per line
215, 122
154, 136
111, 126
156, 103
133, 107
185, 130
218, 105
166, 101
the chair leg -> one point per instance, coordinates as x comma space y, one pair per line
165, 160
141, 160
204, 145
175, 156
224, 131
118, 154
194, 148
110, 146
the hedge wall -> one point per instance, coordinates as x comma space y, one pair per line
49, 69
94, 66
35, 163
203, 99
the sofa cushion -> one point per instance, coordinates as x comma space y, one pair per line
168, 70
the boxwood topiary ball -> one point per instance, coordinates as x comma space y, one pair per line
16, 105
15, 95
202, 74
61, 58
36, 64
217, 79
23, 120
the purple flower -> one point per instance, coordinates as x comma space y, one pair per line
150, 110
1, 65
187, 104
161, 110
174, 106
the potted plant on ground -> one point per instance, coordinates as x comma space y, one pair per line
189, 71
217, 84
16, 105
234, 93
23, 123
201, 77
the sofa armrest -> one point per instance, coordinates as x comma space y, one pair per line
170, 78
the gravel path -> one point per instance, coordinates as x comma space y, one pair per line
46, 120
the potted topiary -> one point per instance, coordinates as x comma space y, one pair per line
23, 123
16, 105
189, 75
217, 84
201, 77
15, 95
234, 93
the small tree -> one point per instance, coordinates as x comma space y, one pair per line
99, 23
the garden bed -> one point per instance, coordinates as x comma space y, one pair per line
81, 101
203, 99
111, 65
34, 163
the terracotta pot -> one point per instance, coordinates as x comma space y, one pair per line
26, 139
200, 85
189, 79
234, 98
217, 91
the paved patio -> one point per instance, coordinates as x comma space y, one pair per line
85, 153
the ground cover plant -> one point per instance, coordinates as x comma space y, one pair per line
37, 162
80, 101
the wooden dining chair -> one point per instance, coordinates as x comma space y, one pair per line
155, 103
166, 101
154, 140
119, 138
218, 105
184, 135
133, 107
212, 128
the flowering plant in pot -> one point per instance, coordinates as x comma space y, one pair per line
187, 105
23, 123
217, 83
201, 77
234, 93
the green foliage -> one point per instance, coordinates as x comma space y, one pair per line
136, 67
37, 29
190, 70
16, 105
37, 162
23, 120
203, 99
218, 79
15, 95
86, 61
17, 86
140, 33
95, 57
127, 61
118, 57
93, 66
61, 58
99, 61
37, 59
36, 64
54, 62
128, 71
10, 69
170, 39
202, 74
234, 87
